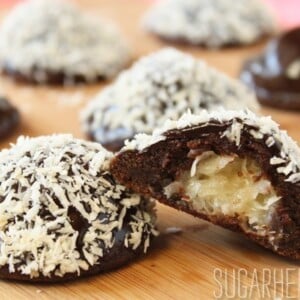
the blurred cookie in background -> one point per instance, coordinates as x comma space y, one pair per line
210, 23
160, 86
52, 41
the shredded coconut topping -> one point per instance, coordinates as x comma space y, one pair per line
160, 86
45, 181
264, 128
213, 23
41, 36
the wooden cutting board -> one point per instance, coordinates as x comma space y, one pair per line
201, 261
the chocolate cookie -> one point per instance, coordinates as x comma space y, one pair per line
54, 42
9, 117
275, 74
211, 23
160, 86
63, 215
235, 169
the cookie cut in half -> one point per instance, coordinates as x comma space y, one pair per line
160, 86
211, 23
52, 41
235, 169
63, 215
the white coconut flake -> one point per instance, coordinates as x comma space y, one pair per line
234, 132
55, 36
294, 178
270, 141
213, 23
276, 161
41, 180
162, 86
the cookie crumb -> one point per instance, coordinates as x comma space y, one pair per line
173, 230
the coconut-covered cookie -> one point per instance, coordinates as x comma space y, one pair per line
235, 169
63, 215
212, 23
9, 117
52, 41
159, 86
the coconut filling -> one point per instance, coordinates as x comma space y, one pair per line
227, 185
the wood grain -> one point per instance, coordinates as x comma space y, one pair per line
180, 265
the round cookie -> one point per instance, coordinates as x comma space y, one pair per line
52, 41
63, 215
160, 86
232, 168
211, 23
274, 75
9, 117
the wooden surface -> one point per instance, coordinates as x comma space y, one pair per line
181, 265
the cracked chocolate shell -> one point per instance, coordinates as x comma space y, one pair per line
52, 41
235, 169
63, 215
211, 23
160, 86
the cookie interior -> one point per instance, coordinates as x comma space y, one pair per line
227, 185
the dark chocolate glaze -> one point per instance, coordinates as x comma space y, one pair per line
149, 171
9, 117
181, 41
116, 257
51, 78
267, 75
111, 139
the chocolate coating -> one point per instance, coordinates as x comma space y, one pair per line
9, 117
49, 77
117, 257
270, 74
111, 139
